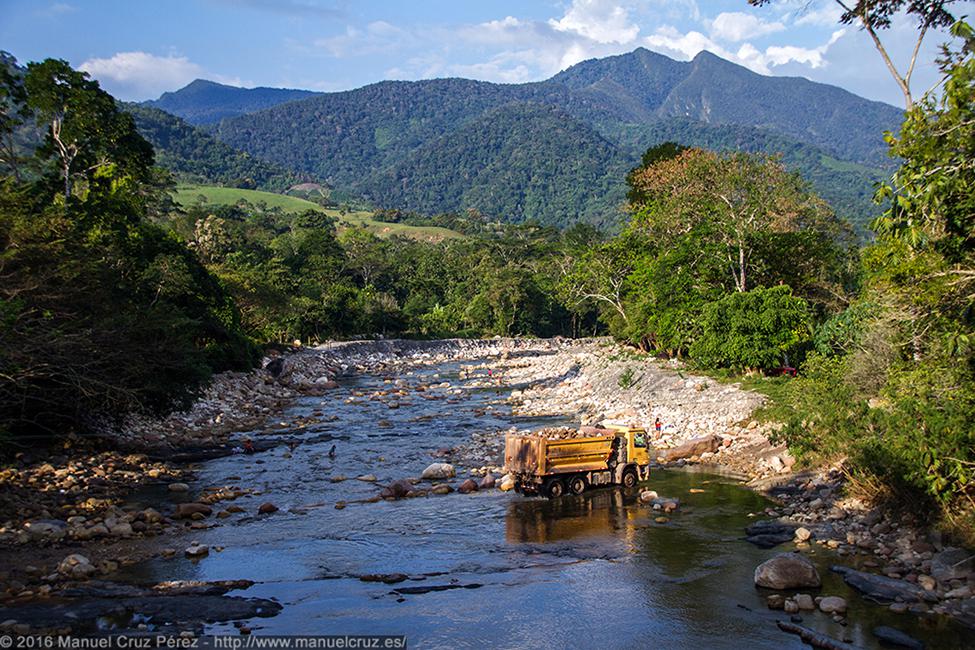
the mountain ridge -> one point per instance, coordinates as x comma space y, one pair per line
357, 138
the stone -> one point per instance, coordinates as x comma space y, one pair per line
952, 564
893, 636
507, 483
805, 602
121, 529
267, 508
442, 488
927, 583
790, 606
396, 490
882, 588
76, 566
693, 447
802, 534
152, 516
769, 533
647, 496
961, 592
188, 510
775, 601
898, 608
438, 471
196, 550
179, 487
368, 478
661, 520
338, 478
832, 605
787, 571
52, 529
487, 482
467, 487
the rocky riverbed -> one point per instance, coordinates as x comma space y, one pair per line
161, 497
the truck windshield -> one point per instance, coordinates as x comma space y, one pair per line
639, 441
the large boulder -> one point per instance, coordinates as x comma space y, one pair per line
787, 571
439, 471
507, 483
53, 529
881, 588
693, 447
952, 564
467, 486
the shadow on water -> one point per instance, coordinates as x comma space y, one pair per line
595, 570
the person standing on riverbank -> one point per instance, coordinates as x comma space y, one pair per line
656, 429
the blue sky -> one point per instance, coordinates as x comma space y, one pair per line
138, 49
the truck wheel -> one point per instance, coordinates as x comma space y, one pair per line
629, 478
555, 489
577, 485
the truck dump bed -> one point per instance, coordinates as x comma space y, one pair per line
535, 454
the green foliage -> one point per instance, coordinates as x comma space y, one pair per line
627, 379
760, 328
557, 151
101, 312
195, 156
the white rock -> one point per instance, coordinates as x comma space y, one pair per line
437, 471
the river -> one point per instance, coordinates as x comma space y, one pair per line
508, 571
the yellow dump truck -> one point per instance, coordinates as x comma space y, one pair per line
616, 455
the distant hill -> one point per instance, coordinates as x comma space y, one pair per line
557, 150
195, 156
207, 102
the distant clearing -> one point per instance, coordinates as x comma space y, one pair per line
187, 195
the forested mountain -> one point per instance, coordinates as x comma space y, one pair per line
206, 102
195, 156
448, 144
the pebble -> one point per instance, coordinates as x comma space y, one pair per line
178, 487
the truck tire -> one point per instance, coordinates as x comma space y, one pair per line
555, 488
629, 478
577, 484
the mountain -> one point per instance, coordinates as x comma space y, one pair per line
447, 144
195, 156
207, 102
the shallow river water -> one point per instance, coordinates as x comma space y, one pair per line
579, 572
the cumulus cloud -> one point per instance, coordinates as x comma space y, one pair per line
599, 20
737, 26
668, 40
140, 75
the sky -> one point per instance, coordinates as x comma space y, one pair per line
138, 49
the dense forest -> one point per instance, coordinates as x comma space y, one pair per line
400, 143
113, 299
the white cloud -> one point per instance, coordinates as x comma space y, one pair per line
378, 36
601, 21
825, 15
672, 42
140, 75
737, 26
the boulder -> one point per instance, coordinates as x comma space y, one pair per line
832, 605
805, 602
179, 487
76, 566
507, 483
769, 533
881, 588
647, 496
438, 471
693, 447
53, 529
442, 488
487, 482
787, 571
952, 564
467, 486
396, 490
187, 510
894, 637
267, 508
197, 550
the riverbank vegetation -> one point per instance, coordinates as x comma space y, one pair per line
115, 297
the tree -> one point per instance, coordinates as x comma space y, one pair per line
873, 16
13, 111
741, 196
86, 131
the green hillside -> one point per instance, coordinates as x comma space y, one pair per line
187, 195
